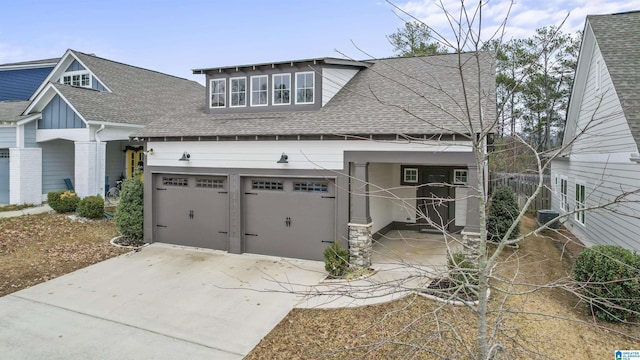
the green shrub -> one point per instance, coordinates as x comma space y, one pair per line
502, 213
129, 212
336, 259
63, 201
91, 207
610, 277
461, 270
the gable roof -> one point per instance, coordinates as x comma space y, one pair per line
137, 96
417, 95
618, 37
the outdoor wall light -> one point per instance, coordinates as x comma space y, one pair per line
185, 156
284, 159
149, 152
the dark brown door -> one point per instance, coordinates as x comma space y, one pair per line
288, 217
191, 211
435, 198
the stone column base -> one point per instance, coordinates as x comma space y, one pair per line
470, 244
360, 244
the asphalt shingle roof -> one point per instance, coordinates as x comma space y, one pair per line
138, 95
417, 95
10, 110
618, 37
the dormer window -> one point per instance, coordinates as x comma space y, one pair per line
238, 92
304, 87
282, 89
218, 93
82, 79
259, 90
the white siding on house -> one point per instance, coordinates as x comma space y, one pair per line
601, 125
615, 224
58, 159
388, 200
264, 154
333, 80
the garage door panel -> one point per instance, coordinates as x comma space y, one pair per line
289, 217
192, 211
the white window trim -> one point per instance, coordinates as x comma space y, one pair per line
580, 205
210, 93
313, 86
273, 81
251, 85
231, 91
404, 175
78, 72
564, 198
455, 176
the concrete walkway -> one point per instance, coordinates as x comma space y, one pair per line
27, 211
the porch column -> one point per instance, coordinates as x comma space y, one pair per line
84, 168
360, 238
25, 176
471, 232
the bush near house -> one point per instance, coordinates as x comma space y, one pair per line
610, 279
129, 211
461, 270
63, 201
502, 213
91, 207
336, 259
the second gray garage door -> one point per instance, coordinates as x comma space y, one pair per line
288, 217
191, 210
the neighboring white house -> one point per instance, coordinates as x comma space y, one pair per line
596, 178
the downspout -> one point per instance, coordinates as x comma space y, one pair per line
98, 181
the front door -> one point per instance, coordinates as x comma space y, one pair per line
435, 199
135, 161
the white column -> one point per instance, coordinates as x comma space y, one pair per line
85, 168
25, 179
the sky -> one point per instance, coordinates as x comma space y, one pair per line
176, 36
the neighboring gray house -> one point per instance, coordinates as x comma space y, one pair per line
600, 164
289, 156
77, 123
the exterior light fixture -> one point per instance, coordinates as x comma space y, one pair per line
185, 156
149, 152
284, 159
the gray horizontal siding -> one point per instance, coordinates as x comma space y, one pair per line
615, 224
115, 163
58, 115
57, 164
7, 137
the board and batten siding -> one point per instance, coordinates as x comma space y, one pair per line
7, 137
58, 161
30, 135
59, 115
333, 81
265, 154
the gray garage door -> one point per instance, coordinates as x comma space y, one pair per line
191, 210
4, 176
288, 217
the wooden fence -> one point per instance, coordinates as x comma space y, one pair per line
524, 185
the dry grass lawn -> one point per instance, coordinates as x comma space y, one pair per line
545, 324
36, 248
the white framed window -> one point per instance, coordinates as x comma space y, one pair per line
460, 176
218, 89
282, 89
410, 175
580, 202
259, 90
238, 92
564, 203
77, 78
305, 87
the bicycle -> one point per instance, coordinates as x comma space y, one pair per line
113, 194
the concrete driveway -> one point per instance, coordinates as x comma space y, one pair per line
162, 302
